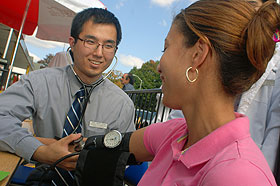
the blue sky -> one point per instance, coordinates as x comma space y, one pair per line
145, 24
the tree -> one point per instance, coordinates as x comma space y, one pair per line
150, 80
45, 61
148, 74
115, 77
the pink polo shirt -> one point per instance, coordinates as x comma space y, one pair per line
226, 157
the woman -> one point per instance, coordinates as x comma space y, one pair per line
258, 103
215, 50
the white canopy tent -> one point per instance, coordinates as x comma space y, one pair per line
53, 18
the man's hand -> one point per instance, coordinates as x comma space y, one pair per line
46, 141
52, 152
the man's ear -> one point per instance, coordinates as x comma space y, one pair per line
202, 49
72, 42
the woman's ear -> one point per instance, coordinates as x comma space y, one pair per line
201, 49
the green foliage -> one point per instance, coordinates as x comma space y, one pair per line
150, 80
149, 75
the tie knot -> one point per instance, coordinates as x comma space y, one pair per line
80, 93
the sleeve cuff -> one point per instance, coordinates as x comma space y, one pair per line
27, 146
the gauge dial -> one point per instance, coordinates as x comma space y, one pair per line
112, 139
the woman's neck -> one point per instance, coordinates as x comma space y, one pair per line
206, 115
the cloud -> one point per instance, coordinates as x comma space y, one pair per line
163, 23
32, 40
163, 3
130, 61
120, 4
35, 58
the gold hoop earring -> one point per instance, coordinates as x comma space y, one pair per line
187, 75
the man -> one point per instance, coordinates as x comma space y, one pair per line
46, 95
127, 81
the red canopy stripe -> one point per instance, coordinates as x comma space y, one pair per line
11, 13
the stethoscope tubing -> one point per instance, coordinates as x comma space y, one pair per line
87, 93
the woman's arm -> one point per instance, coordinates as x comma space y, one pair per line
137, 147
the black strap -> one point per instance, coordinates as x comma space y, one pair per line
124, 146
102, 166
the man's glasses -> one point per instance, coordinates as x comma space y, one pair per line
93, 45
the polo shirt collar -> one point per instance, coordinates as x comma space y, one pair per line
212, 143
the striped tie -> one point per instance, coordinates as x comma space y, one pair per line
64, 177
74, 115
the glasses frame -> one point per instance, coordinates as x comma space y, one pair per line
98, 44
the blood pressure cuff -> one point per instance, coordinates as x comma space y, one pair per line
102, 166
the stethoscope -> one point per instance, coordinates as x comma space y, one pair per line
86, 100
86, 86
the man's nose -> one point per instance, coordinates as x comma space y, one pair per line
99, 50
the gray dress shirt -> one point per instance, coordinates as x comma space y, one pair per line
46, 95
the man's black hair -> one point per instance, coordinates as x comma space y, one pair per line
263, 1
131, 79
98, 16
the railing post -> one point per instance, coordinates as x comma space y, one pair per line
146, 105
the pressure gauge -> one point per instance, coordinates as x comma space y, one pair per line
112, 139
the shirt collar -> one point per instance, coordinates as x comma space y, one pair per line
215, 141
74, 83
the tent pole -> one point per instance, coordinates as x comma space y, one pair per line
8, 43
17, 43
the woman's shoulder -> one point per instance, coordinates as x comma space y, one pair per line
238, 172
173, 127
242, 160
172, 124
159, 135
